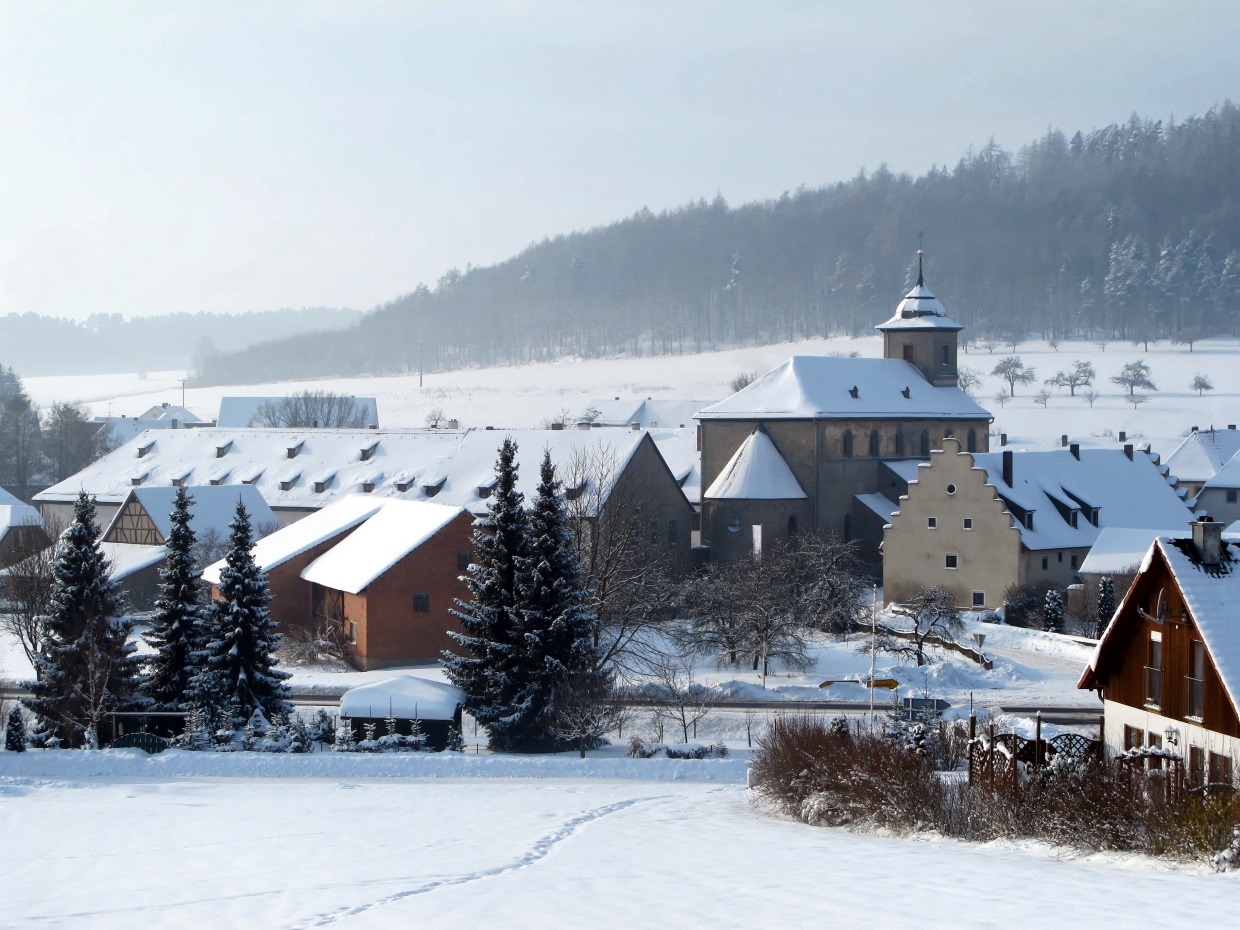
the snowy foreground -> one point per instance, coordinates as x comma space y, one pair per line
521, 846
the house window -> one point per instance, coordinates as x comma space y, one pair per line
462, 561
1220, 769
875, 448
1134, 738
352, 633
673, 530
1231, 497
421, 603
734, 525
1045, 563
1153, 671
968, 523
1194, 681
1073, 560
848, 444
932, 523
1059, 557
1196, 766
910, 354
951, 561
979, 599
1155, 742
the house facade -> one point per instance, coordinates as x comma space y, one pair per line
978, 523
1168, 666
833, 422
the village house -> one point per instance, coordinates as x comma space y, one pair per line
133, 542
1200, 457
243, 411
833, 423
1168, 666
299, 472
978, 523
21, 529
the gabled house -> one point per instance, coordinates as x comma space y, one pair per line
386, 573
21, 529
1168, 666
641, 412
978, 523
1200, 457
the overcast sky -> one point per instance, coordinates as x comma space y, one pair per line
159, 157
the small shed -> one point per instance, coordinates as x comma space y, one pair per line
435, 705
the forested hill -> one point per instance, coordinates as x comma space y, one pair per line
1126, 232
107, 342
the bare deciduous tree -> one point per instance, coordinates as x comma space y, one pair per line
311, 409
677, 696
28, 585
931, 611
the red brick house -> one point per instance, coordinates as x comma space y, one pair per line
1168, 665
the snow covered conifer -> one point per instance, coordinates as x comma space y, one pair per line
86, 668
1106, 605
175, 626
456, 740
488, 668
1052, 611
15, 731
240, 666
558, 655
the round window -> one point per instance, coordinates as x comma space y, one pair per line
951, 489
734, 525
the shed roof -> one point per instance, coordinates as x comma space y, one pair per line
405, 696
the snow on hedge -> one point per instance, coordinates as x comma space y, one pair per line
405, 697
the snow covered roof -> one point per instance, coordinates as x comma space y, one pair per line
880, 505
906, 469
814, 387
127, 558
291, 541
756, 472
1069, 500
1227, 477
646, 412
919, 310
404, 696
380, 542
213, 509
171, 412
240, 411
1203, 453
1210, 594
123, 429
1118, 548
13, 512
402, 461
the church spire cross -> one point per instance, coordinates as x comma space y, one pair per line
921, 281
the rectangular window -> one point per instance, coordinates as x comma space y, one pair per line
932, 523
421, 603
1231, 497
1155, 742
943, 355
1060, 559
968, 523
1196, 766
979, 599
673, 530
909, 354
1220, 769
1134, 738
1194, 697
1153, 671
352, 633
462, 561
1074, 563
1045, 563
951, 561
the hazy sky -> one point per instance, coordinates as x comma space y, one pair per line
231, 156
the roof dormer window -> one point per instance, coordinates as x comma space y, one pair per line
368, 452
143, 450
293, 450
430, 490
222, 449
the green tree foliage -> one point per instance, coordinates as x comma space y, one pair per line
87, 667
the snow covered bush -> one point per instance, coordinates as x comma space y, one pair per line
640, 749
322, 728
15, 731
1023, 604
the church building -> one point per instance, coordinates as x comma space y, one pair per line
802, 446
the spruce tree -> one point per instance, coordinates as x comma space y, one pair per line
1106, 605
488, 668
558, 655
239, 675
1052, 611
15, 731
175, 631
86, 666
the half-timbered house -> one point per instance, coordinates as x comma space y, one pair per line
1168, 666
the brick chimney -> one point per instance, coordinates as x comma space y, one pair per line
1208, 539
1007, 467
1075, 449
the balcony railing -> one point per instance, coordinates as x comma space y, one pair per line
1153, 686
1194, 697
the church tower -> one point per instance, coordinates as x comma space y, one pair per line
921, 333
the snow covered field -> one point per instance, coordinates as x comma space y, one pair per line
527, 395
359, 852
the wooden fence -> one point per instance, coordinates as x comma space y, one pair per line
996, 759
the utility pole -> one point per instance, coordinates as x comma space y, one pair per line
183, 382
419, 364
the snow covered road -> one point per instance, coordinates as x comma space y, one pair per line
523, 853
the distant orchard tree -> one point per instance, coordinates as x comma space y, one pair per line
311, 409
1081, 374
1013, 371
1090, 396
1043, 397
1134, 375
1137, 400
969, 379
1201, 384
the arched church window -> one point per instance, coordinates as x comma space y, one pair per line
972, 447
925, 443
792, 525
848, 444
875, 448
899, 444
